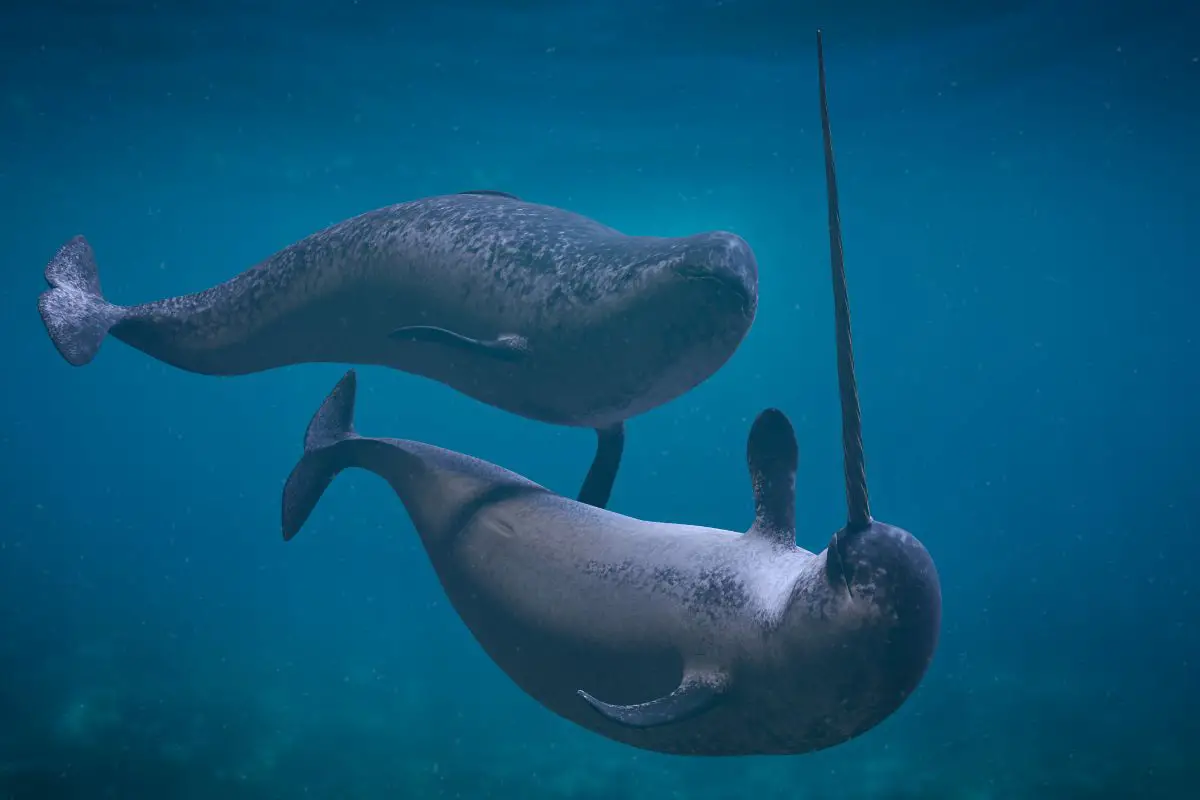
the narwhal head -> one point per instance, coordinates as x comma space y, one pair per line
700, 299
884, 581
866, 611
715, 272
882, 575
861, 628
678, 310
722, 270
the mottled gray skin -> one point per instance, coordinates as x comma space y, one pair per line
615, 325
564, 596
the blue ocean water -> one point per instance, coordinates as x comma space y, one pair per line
1020, 189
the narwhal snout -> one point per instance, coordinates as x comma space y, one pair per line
727, 261
891, 577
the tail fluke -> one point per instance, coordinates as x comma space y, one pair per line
75, 313
332, 425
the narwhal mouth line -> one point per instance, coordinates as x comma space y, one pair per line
728, 283
835, 565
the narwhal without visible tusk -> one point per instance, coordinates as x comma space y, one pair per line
672, 638
533, 309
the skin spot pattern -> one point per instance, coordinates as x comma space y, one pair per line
714, 592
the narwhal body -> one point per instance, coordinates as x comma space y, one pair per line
533, 309
673, 638
699, 641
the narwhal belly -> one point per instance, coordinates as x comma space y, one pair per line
808, 704
349, 324
540, 601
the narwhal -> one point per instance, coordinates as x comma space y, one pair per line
672, 638
533, 309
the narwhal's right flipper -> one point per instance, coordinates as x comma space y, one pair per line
697, 693
597, 486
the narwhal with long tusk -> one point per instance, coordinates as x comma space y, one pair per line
672, 638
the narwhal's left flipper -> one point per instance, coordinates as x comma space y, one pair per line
597, 486
697, 693
505, 347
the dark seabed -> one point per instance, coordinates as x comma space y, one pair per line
1020, 191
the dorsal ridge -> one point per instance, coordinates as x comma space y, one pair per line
772, 456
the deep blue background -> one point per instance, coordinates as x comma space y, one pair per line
1020, 193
